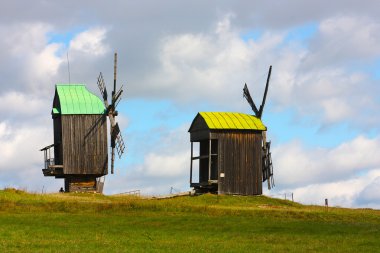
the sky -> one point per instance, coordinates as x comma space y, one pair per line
177, 58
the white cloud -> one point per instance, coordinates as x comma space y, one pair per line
90, 41
210, 67
345, 38
359, 191
20, 146
370, 195
298, 166
166, 164
213, 67
32, 61
157, 165
22, 105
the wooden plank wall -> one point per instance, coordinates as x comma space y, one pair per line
84, 143
239, 158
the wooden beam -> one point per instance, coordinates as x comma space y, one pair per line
202, 157
55, 166
209, 160
191, 164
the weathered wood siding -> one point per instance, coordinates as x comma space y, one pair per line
239, 158
84, 144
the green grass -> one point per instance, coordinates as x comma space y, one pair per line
207, 223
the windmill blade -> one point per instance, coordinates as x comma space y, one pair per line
112, 159
265, 93
249, 99
114, 72
102, 88
268, 166
116, 142
117, 97
120, 146
115, 130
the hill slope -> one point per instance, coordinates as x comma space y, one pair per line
208, 223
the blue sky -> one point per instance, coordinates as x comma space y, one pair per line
321, 108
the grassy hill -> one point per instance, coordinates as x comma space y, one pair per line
207, 223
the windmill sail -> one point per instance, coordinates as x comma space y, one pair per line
102, 87
115, 134
249, 99
265, 93
267, 165
120, 146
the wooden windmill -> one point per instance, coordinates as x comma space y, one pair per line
233, 156
80, 136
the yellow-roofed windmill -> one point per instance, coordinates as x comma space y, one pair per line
232, 158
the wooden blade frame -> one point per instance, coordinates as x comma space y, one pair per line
265, 93
249, 99
116, 138
247, 95
102, 87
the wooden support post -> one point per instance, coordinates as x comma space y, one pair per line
191, 164
209, 160
45, 159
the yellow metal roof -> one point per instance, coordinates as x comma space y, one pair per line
232, 120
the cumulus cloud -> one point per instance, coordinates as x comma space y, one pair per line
165, 164
359, 191
297, 165
21, 161
31, 62
370, 195
213, 67
342, 39
90, 42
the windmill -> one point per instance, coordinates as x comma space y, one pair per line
80, 136
115, 134
267, 167
234, 156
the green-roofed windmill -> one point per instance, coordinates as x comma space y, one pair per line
80, 136
231, 158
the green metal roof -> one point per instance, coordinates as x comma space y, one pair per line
232, 120
76, 99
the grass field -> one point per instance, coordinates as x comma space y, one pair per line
207, 223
